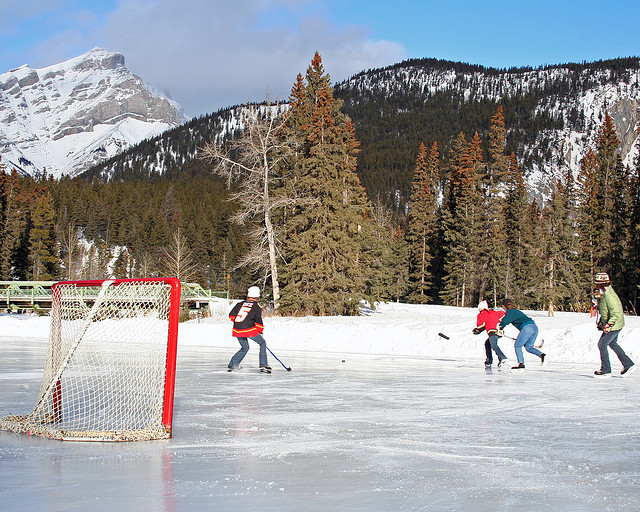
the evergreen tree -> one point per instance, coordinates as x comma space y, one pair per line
42, 240
18, 197
590, 225
603, 202
498, 159
422, 220
620, 226
513, 214
631, 282
562, 284
612, 183
330, 245
461, 222
493, 253
122, 265
398, 271
530, 284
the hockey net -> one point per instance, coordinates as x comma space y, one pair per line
110, 368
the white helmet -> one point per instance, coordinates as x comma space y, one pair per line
254, 292
483, 305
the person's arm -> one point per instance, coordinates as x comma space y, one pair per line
234, 312
615, 313
506, 319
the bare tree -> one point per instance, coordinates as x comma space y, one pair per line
146, 266
68, 235
252, 161
178, 260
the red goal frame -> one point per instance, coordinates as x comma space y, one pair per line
172, 338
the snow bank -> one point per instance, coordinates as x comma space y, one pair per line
390, 329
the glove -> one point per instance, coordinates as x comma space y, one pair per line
500, 332
478, 330
607, 328
600, 325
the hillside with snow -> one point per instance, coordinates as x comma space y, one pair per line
92, 113
68, 117
552, 114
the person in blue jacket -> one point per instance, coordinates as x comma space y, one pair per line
528, 332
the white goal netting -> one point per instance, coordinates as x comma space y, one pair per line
110, 364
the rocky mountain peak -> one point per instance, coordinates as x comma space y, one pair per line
67, 117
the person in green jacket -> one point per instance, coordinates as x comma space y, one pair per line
610, 323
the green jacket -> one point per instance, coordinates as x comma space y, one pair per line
610, 309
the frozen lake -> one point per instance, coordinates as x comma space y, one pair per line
370, 433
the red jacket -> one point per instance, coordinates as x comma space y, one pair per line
247, 319
489, 319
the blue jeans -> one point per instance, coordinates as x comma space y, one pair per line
244, 348
610, 339
526, 339
492, 343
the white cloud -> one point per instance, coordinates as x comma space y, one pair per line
212, 54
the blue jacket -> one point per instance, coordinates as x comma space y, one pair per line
515, 317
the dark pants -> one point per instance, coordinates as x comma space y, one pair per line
610, 340
492, 343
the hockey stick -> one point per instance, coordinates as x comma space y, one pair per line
288, 369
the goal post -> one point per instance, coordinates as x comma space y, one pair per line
111, 359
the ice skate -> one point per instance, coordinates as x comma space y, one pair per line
599, 374
628, 370
519, 367
265, 369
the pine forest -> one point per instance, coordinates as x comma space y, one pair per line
314, 201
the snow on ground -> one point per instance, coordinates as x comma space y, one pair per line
378, 413
390, 328
412, 330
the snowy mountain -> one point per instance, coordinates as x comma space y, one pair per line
552, 114
176, 151
68, 117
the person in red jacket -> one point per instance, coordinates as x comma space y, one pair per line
488, 319
247, 323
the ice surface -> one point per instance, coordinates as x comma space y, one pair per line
342, 431
409, 421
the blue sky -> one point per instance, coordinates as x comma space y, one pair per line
209, 54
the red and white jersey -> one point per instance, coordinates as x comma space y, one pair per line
247, 319
489, 319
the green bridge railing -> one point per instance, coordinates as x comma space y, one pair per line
35, 295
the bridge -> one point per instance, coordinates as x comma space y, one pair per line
26, 296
